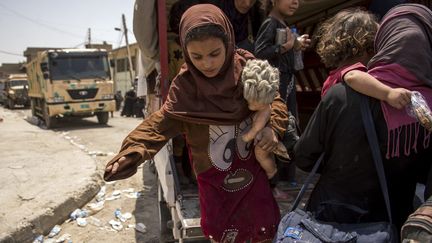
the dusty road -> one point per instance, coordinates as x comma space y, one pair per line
104, 141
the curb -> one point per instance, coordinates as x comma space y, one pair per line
41, 224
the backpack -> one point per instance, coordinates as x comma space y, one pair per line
418, 226
300, 226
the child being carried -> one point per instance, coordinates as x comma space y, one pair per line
260, 84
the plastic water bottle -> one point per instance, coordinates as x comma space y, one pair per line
298, 55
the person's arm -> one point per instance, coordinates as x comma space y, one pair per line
142, 144
270, 135
259, 121
368, 85
265, 46
311, 143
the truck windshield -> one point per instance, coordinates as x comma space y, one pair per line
14, 83
79, 67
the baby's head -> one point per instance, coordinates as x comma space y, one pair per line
347, 37
260, 83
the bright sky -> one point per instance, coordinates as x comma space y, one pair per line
60, 23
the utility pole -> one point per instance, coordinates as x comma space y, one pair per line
89, 36
128, 50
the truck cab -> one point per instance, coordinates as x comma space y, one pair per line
15, 91
71, 82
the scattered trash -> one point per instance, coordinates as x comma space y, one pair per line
81, 222
101, 194
97, 153
63, 238
95, 221
116, 193
16, 167
140, 227
133, 195
110, 182
96, 207
49, 241
112, 198
54, 231
117, 225
119, 215
79, 213
127, 216
129, 190
39, 239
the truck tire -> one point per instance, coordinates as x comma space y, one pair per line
102, 117
11, 104
49, 121
33, 106
165, 233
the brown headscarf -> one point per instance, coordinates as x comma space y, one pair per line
196, 98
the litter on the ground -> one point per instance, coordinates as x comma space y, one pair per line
78, 213
127, 216
117, 225
129, 190
101, 194
116, 193
95, 221
39, 239
133, 195
97, 153
49, 240
119, 215
111, 198
96, 207
63, 238
140, 227
81, 222
54, 231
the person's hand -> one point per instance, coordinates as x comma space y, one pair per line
304, 42
398, 97
289, 44
266, 139
120, 164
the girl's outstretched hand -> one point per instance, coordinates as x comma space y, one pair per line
398, 97
123, 162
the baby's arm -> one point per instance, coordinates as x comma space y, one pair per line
259, 121
366, 84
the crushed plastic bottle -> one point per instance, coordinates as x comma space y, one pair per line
95, 221
64, 238
119, 215
79, 213
117, 225
39, 239
96, 207
101, 194
81, 222
54, 231
298, 55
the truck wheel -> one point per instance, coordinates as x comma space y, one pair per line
33, 107
165, 233
49, 121
102, 117
11, 104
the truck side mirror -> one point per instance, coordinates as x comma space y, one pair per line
112, 63
44, 67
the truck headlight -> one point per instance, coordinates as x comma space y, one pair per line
58, 99
108, 96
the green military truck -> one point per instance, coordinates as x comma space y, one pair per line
15, 91
71, 82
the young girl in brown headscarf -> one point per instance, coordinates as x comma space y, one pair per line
206, 103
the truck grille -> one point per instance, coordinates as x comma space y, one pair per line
82, 93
